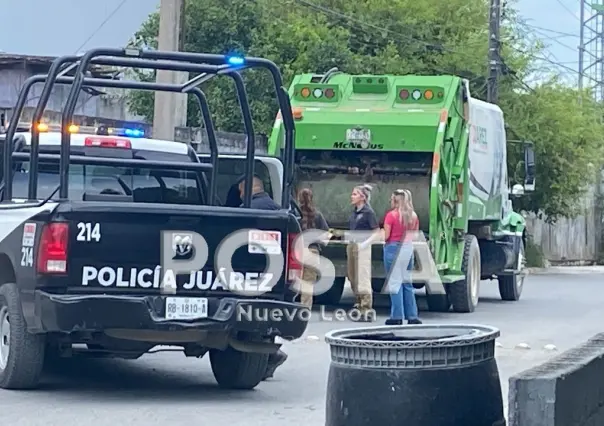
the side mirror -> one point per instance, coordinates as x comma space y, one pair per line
529, 167
517, 190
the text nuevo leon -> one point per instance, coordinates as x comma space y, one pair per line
156, 278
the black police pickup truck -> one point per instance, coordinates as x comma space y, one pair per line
125, 252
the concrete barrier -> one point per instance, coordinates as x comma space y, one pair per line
568, 390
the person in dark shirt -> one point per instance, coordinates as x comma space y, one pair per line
262, 201
365, 229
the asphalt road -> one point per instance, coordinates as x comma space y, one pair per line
560, 308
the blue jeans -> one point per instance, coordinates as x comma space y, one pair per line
398, 265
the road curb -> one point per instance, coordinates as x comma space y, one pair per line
564, 391
555, 270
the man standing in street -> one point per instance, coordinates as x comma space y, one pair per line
262, 201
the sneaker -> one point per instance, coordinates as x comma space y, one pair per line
391, 321
414, 322
274, 361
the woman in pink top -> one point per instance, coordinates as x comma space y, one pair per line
399, 223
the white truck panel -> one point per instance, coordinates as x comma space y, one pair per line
487, 157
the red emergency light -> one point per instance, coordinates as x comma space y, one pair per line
108, 142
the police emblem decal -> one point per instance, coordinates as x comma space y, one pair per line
182, 245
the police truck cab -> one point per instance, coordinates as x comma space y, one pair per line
97, 258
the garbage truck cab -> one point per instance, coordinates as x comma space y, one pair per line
428, 135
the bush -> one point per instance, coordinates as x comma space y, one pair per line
534, 255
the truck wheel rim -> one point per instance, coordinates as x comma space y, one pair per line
522, 265
474, 281
4, 337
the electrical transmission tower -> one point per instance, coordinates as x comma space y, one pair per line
591, 48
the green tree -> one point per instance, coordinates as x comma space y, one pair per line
399, 37
395, 36
567, 134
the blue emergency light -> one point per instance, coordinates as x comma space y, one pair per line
133, 133
235, 60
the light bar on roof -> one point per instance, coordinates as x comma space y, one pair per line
89, 130
120, 131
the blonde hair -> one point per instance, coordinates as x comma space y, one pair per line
410, 200
365, 189
403, 204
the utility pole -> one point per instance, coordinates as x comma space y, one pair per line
494, 63
170, 108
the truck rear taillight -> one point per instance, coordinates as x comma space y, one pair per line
108, 142
52, 250
294, 267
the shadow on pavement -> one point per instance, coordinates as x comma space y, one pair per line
381, 303
113, 379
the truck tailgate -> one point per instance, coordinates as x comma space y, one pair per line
117, 248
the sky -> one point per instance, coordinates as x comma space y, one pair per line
557, 23
62, 27
59, 27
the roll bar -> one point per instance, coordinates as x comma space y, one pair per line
209, 65
95, 82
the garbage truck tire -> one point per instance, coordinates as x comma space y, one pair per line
464, 294
510, 286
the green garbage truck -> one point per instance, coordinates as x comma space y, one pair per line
426, 134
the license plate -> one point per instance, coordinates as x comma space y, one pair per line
184, 308
358, 135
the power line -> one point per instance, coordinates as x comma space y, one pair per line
574, 49
556, 62
102, 24
349, 18
541, 58
274, 16
340, 15
567, 9
549, 30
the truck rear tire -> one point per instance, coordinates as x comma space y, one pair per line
21, 353
333, 295
464, 294
234, 369
510, 286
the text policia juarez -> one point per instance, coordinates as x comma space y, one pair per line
158, 277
